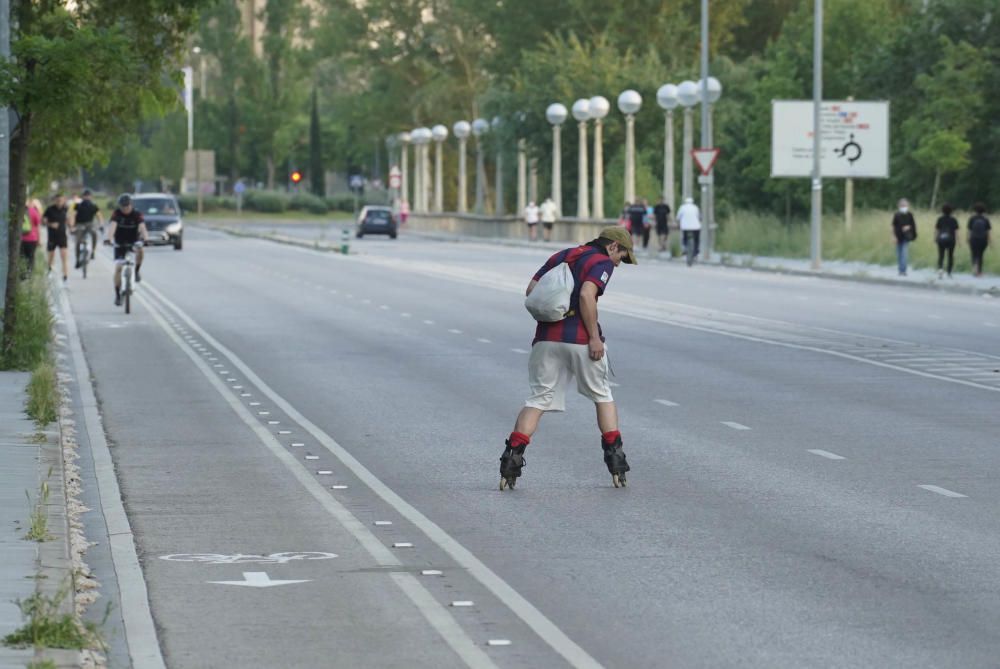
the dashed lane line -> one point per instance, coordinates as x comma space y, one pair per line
826, 454
942, 491
734, 425
666, 403
544, 628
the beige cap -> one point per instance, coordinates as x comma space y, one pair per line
617, 233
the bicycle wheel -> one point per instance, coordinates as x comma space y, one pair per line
83, 267
128, 301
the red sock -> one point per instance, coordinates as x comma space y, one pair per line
518, 439
610, 437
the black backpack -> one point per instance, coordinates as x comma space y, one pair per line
979, 227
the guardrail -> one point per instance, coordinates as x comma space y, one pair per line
569, 229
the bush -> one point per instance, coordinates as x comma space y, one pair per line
308, 202
43, 394
188, 203
341, 202
271, 202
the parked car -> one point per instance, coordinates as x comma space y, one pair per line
163, 218
376, 221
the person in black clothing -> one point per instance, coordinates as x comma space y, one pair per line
661, 212
127, 227
83, 223
55, 221
947, 230
979, 237
637, 220
904, 229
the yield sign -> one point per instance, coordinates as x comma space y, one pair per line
257, 579
706, 159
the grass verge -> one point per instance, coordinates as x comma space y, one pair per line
33, 324
868, 241
284, 216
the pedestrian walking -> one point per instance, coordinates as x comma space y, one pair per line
550, 212
404, 212
573, 347
30, 235
980, 236
55, 218
689, 220
946, 232
637, 221
661, 213
531, 217
904, 231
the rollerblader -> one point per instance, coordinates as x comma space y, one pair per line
573, 347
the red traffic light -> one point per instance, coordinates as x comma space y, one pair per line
296, 177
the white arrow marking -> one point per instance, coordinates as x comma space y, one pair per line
257, 579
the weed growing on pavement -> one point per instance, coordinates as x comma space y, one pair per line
33, 324
869, 240
43, 394
39, 528
48, 627
41, 664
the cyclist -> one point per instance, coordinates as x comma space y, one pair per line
689, 219
127, 228
83, 223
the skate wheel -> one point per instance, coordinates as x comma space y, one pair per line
617, 481
503, 484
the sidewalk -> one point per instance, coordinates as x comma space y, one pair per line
20, 471
323, 236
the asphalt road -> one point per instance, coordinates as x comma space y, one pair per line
812, 461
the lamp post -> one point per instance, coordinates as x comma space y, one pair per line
391, 142
629, 103
687, 94
439, 133
462, 130
581, 112
599, 108
498, 208
666, 97
555, 114
404, 142
709, 91
479, 128
422, 138
816, 220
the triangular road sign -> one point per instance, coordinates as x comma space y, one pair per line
705, 158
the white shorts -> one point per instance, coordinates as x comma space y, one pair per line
553, 364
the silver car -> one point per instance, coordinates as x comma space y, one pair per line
163, 218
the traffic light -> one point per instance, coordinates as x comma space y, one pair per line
296, 177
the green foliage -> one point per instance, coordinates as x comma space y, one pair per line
46, 626
308, 202
43, 394
270, 202
33, 322
38, 525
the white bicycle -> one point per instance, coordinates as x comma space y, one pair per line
128, 274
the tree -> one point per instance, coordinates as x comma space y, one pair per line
81, 77
317, 176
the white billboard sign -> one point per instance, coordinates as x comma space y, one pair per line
854, 139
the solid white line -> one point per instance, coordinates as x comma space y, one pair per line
454, 331
666, 403
140, 632
613, 384
942, 491
525, 610
518, 350
826, 454
734, 425
432, 611
483, 340
428, 322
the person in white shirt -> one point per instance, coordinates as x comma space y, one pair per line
689, 220
531, 214
549, 214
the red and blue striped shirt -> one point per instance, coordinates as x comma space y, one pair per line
589, 263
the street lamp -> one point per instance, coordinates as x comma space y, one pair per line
422, 136
462, 130
599, 108
391, 142
522, 163
479, 128
555, 114
439, 133
687, 94
498, 207
666, 97
404, 142
709, 92
629, 103
581, 112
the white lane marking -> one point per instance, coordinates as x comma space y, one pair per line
498, 642
312, 457
297, 444
666, 403
454, 331
325, 472
942, 491
483, 340
404, 315
402, 544
257, 579
384, 307
432, 572
284, 431
735, 425
246, 394
433, 612
462, 602
140, 632
613, 384
826, 454
274, 422
428, 322
254, 404
381, 523
546, 630
518, 350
